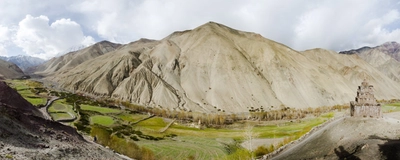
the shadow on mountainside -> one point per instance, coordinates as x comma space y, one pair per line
390, 149
341, 153
29, 131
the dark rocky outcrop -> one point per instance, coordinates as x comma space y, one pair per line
24, 134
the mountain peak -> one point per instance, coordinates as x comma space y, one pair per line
209, 27
105, 42
390, 45
212, 23
215, 26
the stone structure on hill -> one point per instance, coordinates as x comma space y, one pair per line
365, 104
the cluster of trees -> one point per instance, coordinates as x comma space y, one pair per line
220, 119
388, 101
286, 113
214, 120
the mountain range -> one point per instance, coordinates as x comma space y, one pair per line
72, 59
24, 62
386, 58
214, 68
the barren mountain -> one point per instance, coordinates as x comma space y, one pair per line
349, 138
385, 58
216, 68
9, 70
24, 134
75, 58
349, 70
24, 62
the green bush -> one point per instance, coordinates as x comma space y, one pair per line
81, 127
147, 154
262, 150
9, 156
135, 138
239, 154
102, 135
137, 133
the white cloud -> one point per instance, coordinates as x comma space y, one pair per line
4, 33
342, 25
37, 38
300, 24
4, 40
3, 51
335, 25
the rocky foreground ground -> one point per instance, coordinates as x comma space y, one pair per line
350, 138
25, 134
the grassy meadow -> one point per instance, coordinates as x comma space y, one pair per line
24, 87
391, 107
60, 110
207, 144
102, 120
102, 110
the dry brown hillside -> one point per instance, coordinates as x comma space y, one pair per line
75, 58
385, 57
214, 68
9, 70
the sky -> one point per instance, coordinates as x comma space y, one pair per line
48, 28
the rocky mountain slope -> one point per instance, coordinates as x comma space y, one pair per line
216, 68
24, 134
24, 62
350, 138
70, 60
10, 70
386, 58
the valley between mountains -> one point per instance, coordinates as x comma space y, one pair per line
212, 92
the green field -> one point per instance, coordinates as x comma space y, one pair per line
36, 101
102, 120
61, 105
102, 110
131, 117
392, 107
61, 116
184, 147
23, 88
204, 143
269, 131
58, 110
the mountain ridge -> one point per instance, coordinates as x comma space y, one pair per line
9, 70
24, 62
385, 57
214, 68
74, 58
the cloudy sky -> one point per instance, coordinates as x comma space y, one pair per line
47, 28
